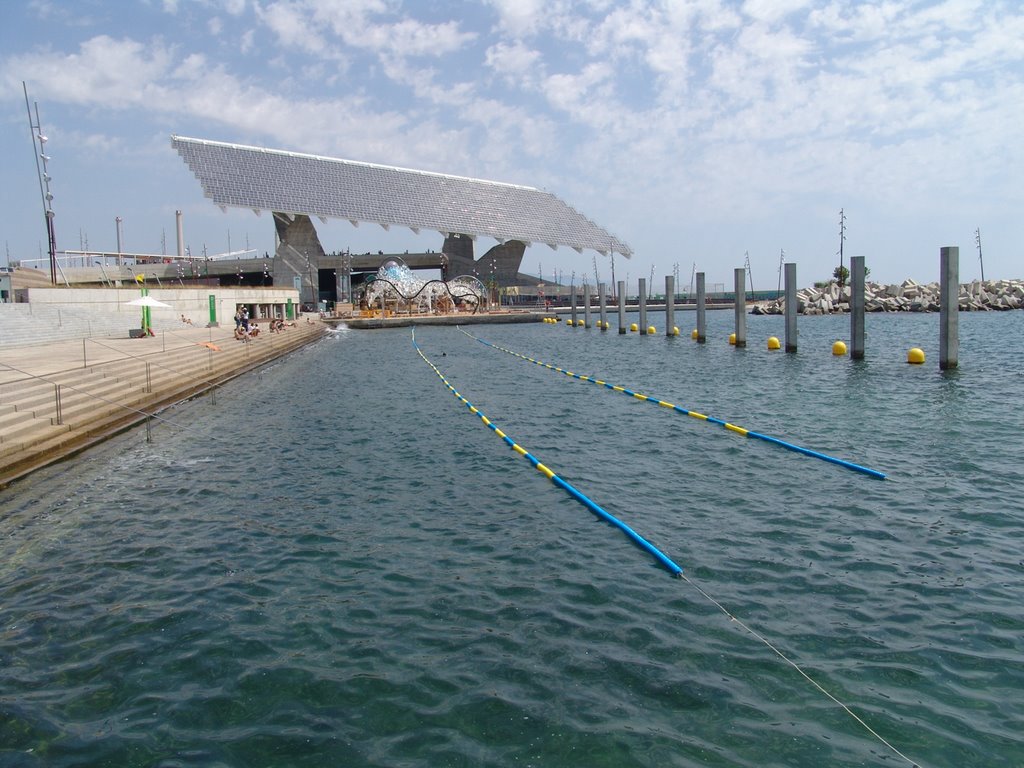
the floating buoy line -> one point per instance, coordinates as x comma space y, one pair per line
550, 474
658, 555
686, 412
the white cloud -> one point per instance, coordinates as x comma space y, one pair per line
290, 23
516, 62
355, 24
521, 18
104, 71
215, 25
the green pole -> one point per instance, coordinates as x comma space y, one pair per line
213, 311
145, 314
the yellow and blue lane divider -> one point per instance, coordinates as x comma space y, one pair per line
686, 412
566, 486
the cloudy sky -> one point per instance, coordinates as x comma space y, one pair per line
697, 131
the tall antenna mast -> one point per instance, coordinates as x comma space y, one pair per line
782, 258
611, 255
977, 239
842, 239
44, 182
746, 265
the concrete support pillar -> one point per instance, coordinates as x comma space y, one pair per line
643, 306
622, 306
572, 305
739, 281
586, 305
949, 307
181, 234
602, 301
670, 303
791, 306
857, 308
702, 325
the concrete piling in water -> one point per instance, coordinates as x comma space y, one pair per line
949, 307
791, 306
572, 304
739, 280
622, 306
701, 310
643, 306
670, 303
857, 308
603, 305
586, 305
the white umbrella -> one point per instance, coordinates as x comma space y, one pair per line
147, 301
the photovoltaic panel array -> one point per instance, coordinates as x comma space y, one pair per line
234, 175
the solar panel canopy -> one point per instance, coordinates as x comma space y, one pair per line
234, 175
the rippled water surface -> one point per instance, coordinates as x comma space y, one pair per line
337, 563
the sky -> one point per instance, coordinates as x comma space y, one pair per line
706, 134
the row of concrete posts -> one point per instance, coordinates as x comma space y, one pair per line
949, 343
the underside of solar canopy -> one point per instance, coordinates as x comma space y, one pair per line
237, 176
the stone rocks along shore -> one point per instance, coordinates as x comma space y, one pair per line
908, 296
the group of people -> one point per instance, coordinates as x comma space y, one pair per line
246, 329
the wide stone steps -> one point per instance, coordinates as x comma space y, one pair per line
109, 395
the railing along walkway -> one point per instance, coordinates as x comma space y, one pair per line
78, 385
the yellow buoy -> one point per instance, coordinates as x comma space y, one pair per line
773, 342
675, 330
915, 356
693, 334
732, 339
634, 327
839, 348
651, 330
605, 326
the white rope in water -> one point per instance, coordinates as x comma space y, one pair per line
796, 666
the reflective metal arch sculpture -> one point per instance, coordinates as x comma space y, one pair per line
395, 280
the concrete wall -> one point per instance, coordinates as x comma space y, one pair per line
191, 302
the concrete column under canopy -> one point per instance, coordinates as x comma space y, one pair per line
603, 303
586, 305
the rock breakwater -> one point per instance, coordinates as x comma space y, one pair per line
908, 296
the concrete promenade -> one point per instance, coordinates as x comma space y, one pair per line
59, 398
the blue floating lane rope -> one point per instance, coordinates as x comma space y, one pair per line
662, 559
566, 486
686, 412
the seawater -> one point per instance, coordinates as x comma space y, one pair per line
336, 563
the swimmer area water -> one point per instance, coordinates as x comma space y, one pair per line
656, 553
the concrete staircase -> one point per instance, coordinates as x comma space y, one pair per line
44, 417
22, 324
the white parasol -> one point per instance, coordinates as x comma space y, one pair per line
147, 301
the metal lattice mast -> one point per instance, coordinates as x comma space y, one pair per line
981, 261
